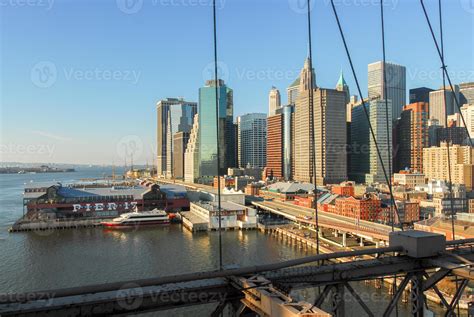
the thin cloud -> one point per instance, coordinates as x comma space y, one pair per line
51, 135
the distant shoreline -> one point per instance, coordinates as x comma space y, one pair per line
34, 170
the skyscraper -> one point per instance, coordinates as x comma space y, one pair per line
274, 101
365, 161
173, 115
294, 89
396, 85
208, 130
180, 141
466, 93
329, 115
421, 94
191, 155
275, 144
467, 111
342, 86
412, 137
438, 108
252, 136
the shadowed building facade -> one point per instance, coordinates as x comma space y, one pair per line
412, 137
173, 115
329, 117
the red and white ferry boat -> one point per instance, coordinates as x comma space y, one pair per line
138, 218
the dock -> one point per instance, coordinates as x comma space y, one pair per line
194, 222
47, 225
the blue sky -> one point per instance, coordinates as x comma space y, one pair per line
80, 79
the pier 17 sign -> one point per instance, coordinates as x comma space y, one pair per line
126, 205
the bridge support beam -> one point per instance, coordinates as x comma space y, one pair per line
361, 242
344, 239
417, 296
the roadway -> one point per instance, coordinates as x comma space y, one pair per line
365, 229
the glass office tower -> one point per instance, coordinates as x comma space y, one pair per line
208, 130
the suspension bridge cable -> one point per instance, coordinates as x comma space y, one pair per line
364, 107
440, 11
387, 121
445, 70
313, 171
446, 115
389, 148
216, 85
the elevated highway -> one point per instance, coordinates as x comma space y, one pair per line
365, 229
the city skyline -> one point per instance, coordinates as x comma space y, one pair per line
141, 76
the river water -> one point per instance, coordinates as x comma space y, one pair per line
56, 259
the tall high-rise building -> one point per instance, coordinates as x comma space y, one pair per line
467, 111
294, 89
180, 141
412, 137
275, 145
208, 130
366, 165
191, 155
438, 108
274, 101
342, 86
435, 164
359, 150
329, 117
466, 91
252, 136
395, 82
421, 94
173, 115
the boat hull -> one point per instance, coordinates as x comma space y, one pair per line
130, 224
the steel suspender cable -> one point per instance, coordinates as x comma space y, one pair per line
445, 70
216, 84
364, 107
313, 172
